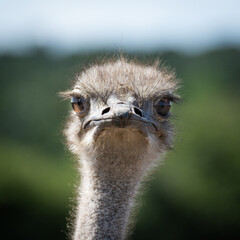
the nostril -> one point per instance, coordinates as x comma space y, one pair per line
106, 110
137, 111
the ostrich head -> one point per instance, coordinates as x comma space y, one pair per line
121, 108
119, 127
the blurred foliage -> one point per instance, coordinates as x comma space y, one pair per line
195, 195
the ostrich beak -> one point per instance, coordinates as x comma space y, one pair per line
119, 115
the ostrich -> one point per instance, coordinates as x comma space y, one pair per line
119, 129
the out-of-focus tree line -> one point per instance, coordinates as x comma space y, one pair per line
194, 195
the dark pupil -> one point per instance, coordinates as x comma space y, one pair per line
77, 104
163, 107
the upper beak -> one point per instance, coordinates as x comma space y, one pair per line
122, 112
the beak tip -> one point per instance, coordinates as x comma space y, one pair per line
123, 115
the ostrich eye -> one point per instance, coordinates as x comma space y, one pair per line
163, 107
78, 104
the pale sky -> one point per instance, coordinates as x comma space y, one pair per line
74, 25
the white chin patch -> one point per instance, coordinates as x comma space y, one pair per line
88, 138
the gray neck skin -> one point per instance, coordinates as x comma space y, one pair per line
106, 196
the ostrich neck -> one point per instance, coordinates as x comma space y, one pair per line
106, 195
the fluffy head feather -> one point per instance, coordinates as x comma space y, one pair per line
122, 77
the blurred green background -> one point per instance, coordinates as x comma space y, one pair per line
195, 195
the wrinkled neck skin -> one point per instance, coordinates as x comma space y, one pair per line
109, 184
